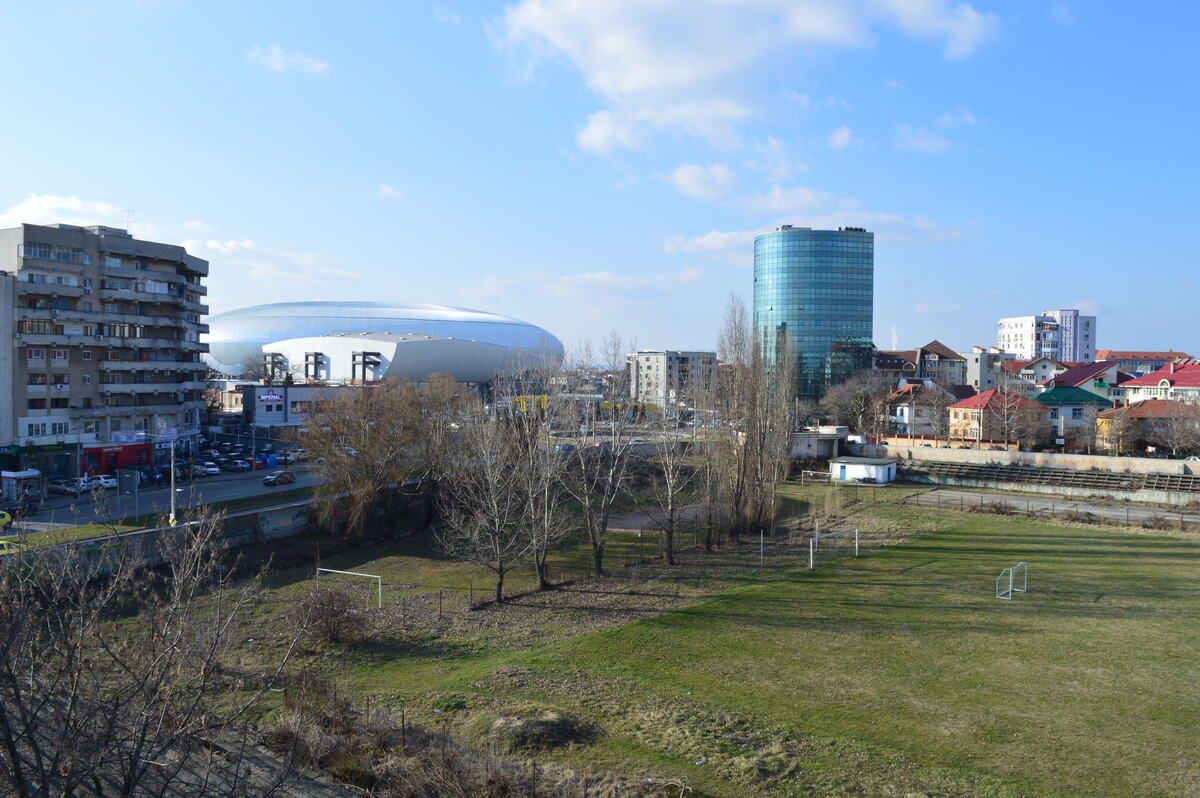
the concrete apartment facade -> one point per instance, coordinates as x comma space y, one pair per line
983, 367
668, 377
1062, 335
104, 368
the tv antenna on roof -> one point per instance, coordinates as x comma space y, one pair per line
128, 218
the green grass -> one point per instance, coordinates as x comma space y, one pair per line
893, 673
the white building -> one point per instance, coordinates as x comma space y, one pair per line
667, 377
1062, 335
875, 470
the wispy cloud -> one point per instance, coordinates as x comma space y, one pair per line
687, 65
893, 83
1062, 14
839, 138
197, 226
386, 191
959, 117
711, 182
276, 59
55, 208
920, 140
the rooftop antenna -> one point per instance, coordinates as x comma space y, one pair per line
128, 218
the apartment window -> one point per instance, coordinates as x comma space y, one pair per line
1077, 413
39, 327
33, 430
86, 354
35, 354
60, 404
113, 262
59, 354
87, 379
61, 379
112, 307
91, 427
115, 425
37, 404
60, 428
89, 330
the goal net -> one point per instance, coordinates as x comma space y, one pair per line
1013, 580
372, 582
827, 545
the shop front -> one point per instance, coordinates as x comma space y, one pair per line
107, 459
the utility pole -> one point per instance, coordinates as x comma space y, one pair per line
171, 518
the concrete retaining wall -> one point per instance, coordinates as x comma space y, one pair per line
1075, 462
1167, 497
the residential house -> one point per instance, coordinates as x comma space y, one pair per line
934, 362
1028, 376
1102, 378
997, 415
1154, 423
1176, 380
983, 366
1139, 363
1072, 413
910, 408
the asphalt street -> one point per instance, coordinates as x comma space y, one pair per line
59, 511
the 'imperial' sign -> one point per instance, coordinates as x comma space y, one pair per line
270, 396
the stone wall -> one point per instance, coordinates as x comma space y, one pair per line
1076, 462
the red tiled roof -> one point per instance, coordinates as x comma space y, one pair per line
1185, 376
985, 399
1013, 366
1133, 354
1077, 375
1151, 408
942, 351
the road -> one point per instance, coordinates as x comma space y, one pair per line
952, 499
60, 511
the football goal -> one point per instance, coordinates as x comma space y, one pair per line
378, 582
1013, 580
826, 545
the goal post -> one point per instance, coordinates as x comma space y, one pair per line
378, 581
828, 545
1020, 575
1004, 584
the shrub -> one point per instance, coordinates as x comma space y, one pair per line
331, 614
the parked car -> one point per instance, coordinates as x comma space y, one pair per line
74, 486
107, 481
1192, 458
279, 478
235, 466
6, 520
256, 464
209, 469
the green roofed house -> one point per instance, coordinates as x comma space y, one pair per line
1072, 412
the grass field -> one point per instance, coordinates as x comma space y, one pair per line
893, 673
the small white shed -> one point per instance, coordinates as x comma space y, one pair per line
871, 470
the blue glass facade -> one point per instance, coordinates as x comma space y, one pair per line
815, 288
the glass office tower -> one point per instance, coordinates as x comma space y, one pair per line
815, 288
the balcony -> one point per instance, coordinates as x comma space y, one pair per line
153, 365
140, 387
72, 314
50, 289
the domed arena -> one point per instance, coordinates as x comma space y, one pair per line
367, 341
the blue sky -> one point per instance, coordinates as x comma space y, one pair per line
588, 166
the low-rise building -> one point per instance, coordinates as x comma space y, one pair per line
983, 366
1102, 378
1158, 423
1028, 376
1179, 381
1072, 412
934, 362
913, 408
872, 470
1140, 362
997, 415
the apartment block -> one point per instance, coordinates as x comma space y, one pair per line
1062, 335
983, 367
666, 377
104, 369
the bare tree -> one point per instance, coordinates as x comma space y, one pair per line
859, 403
117, 682
936, 401
1120, 430
365, 443
442, 401
484, 508
1015, 418
596, 478
1179, 431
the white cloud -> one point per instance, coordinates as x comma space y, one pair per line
267, 267
1063, 15
197, 226
780, 200
687, 65
775, 161
959, 117
276, 59
446, 16
58, 209
710, 182
893, 83
799, 98
386, 191
229, 247
839, 138
920, 140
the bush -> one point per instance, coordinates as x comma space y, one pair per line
331, 614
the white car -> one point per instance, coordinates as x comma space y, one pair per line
74, 486
1192, 458
209, 469
107, 481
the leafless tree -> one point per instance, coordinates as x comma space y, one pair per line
596, 477
365, 443
1120, 430
116, 682
484, 507
1015, 418
442, 401
1180, 430
936, 401
859, 403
